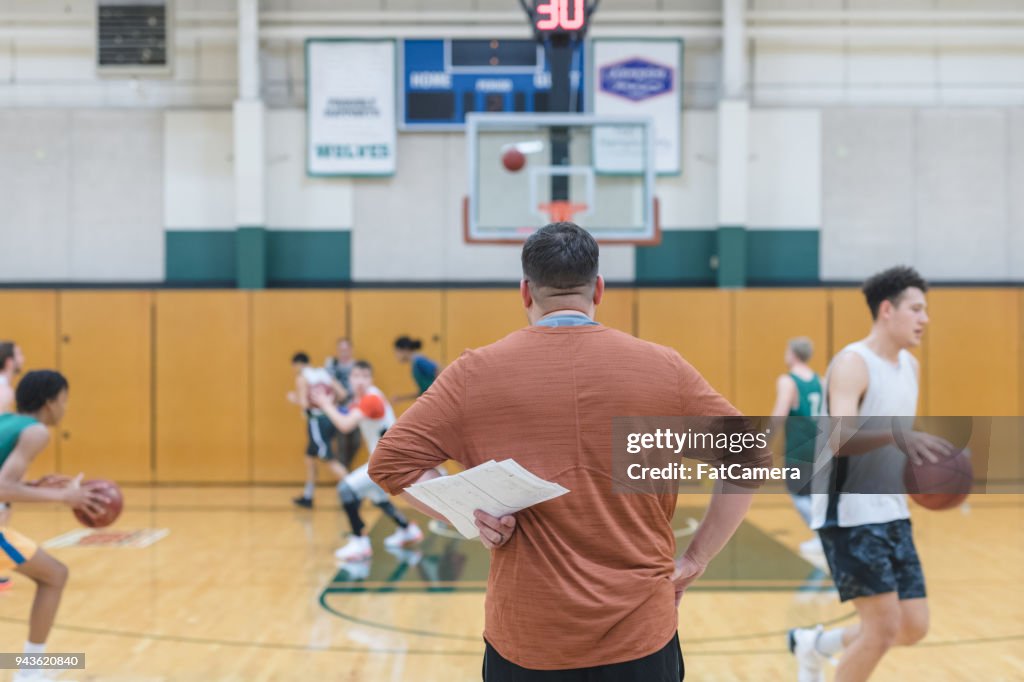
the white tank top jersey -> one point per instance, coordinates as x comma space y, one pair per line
892, 392
316, 376
373, 429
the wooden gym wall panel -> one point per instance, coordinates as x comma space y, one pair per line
618, 310
283, 323
203, 387
698, 323
851, 321
765, 320
29, 318
106, 353
974, 352
377, 317
479, 317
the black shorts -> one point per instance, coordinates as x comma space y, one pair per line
665, 665
319, 431
875, 558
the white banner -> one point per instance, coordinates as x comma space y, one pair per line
639, 78
350, 104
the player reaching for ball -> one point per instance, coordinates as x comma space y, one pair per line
867, 538
41, 399
372, 415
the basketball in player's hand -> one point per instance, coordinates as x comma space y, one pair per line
940, 485
110, 511
513, 160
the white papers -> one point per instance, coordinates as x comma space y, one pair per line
498, 488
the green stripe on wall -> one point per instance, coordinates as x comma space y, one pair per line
773, 257
783, 256
296, 256
251, 250
732, 256
683, 257
292, 256
200, 256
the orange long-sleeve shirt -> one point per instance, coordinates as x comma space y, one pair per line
586, 578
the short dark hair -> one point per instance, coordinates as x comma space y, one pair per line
363, 364
560, 256
38, 388
889, 285
408, 343
300, 357
6, 352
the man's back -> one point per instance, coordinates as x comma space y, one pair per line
546, 397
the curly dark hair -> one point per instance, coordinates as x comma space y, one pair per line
889, 285
38, 388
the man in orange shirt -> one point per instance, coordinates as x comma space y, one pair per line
585, 586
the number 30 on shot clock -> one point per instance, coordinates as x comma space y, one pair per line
558, 16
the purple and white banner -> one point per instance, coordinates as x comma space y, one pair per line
640, 78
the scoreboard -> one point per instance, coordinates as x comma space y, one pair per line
442, 80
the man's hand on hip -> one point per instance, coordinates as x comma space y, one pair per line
494, 531
687, 571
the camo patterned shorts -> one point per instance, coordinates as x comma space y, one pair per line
875, 558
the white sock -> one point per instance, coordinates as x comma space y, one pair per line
34, 649
830, 642
307, 492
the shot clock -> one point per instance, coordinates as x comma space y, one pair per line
559, 17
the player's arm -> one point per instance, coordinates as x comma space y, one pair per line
6, 399
302, 392
12, 489
340, 394
848, 381
785, 400
346, 423
785, 396
847, 384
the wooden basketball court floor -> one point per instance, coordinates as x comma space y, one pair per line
245, 588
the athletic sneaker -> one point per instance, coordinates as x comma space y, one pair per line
409, 535
357, 549
802, 643
304, 502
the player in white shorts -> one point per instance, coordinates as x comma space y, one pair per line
371, 413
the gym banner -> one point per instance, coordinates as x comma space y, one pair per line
640, 78
350, 107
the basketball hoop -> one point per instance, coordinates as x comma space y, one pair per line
562, 211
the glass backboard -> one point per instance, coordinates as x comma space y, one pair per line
527, 170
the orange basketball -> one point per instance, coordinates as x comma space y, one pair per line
941, 485
513, 160
111, 510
